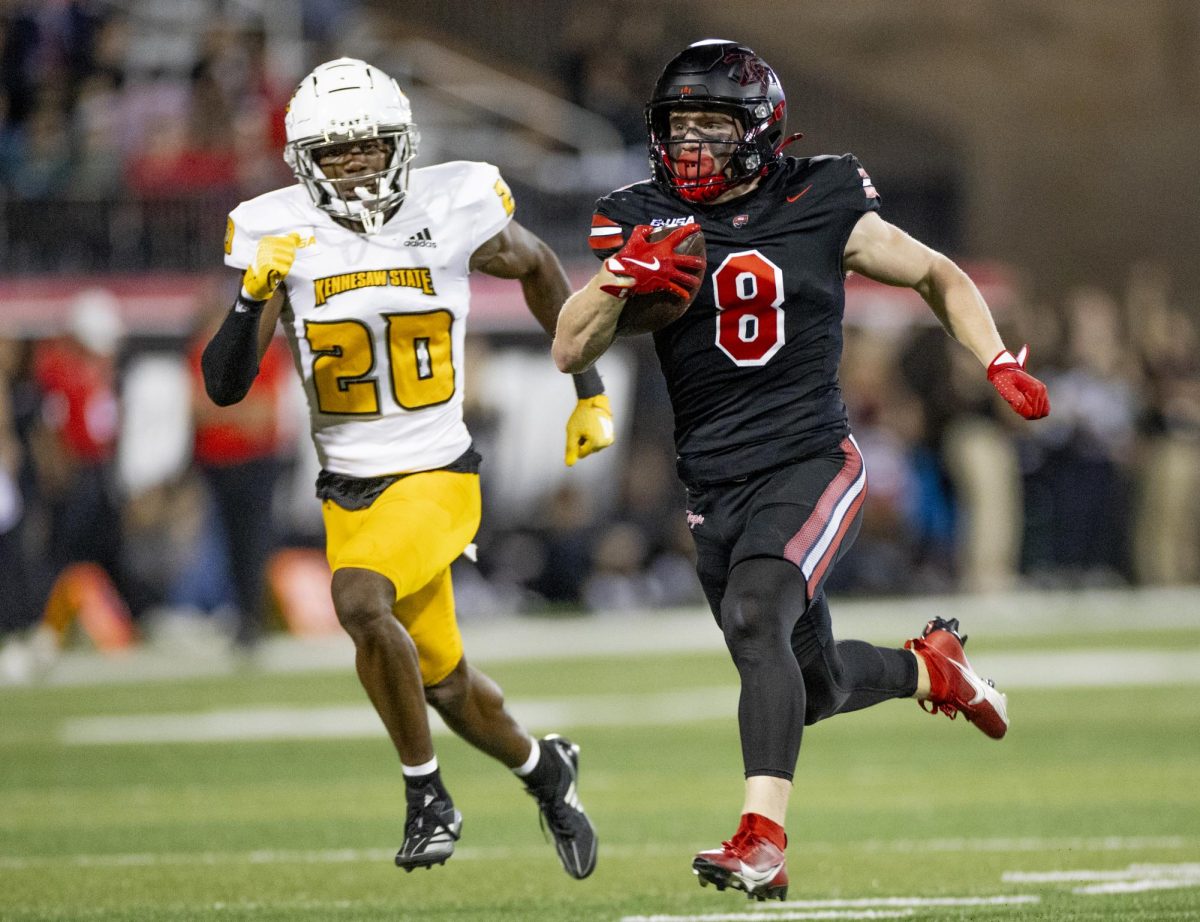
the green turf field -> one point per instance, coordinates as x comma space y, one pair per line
896, 814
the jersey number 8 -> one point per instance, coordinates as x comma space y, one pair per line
419, 358
748, 290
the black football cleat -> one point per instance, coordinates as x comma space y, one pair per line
561, 811
430, 831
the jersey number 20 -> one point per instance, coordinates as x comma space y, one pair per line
748, 289
420, 362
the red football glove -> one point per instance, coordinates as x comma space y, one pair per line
656, 266
1024, 393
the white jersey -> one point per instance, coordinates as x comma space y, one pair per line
376, 323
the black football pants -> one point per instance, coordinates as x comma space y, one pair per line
765, 545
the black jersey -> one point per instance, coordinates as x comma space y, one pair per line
752, 367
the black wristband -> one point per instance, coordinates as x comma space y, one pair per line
244, 304
588, 384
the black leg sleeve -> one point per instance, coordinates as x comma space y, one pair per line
230, 360
846, 675
762, 603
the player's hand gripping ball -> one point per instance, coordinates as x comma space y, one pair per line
667, 266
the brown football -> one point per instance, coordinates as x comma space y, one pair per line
652, 311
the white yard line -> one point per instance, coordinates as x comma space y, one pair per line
652, 633
270, 856
256, 857
916, 902
883, 907
242, 724
1133, 872
1071, 669
1034, 844
1090, 668
1136, 878
1135, 886
767, 914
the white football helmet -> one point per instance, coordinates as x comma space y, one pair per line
348, 100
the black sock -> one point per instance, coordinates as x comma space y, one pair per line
547, 770
416, 786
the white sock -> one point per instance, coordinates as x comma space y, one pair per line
416, 771
523, 771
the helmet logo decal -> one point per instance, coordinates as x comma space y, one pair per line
753, 69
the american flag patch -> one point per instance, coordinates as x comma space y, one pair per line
868, 186
606, 233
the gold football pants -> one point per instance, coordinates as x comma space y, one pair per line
411, 534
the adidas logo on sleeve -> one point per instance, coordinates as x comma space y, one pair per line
421, 239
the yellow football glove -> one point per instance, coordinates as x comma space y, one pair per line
272, 262
589, 429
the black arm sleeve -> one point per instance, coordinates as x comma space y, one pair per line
230, 360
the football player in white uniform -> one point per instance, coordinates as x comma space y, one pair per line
366, 263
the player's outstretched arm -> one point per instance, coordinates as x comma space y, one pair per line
230, 360
883, 252
588, 322
516, 253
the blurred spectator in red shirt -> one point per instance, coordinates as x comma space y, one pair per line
169, 166
77, 436
238, 452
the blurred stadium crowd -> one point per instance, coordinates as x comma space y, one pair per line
108, 125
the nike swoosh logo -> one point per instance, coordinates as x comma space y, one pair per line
971, 680
751, 876
792, 198
637, 262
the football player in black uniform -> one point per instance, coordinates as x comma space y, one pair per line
775, 480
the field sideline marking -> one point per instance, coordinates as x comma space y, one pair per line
268, 856
779, 914
1136, 878
1032, 844
1068, 669
1190, 871
651, 633
357, 721
881, 907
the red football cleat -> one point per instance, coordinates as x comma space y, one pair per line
748, 862
954, 686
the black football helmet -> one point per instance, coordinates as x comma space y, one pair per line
725, 76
